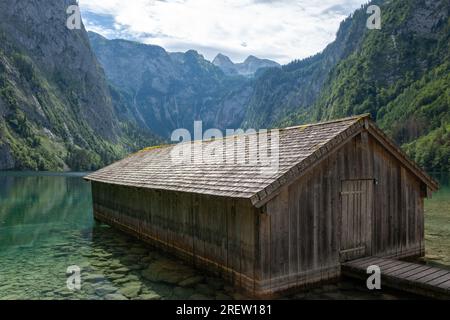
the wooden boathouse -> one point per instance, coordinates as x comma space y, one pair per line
343, 191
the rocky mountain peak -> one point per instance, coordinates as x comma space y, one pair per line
247, 68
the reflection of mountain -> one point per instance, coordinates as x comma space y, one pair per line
33, 206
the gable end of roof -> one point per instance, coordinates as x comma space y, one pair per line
364, 123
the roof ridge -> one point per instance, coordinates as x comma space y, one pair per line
356, 117
257, 132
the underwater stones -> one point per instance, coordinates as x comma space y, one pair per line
88, 289
137, 250
131, 289
60, 254
84, 265
198, 296
87, 253
100, 263
164, 290
105, 289
115, 264
149, 296
147, 260
125, 279
129, 259
6, 287
122, 270
115, 296
204, 289
115, 276
93, 278
12, 297
183, 293
165, 270
101, 254
190, 282
136, 267
65, 293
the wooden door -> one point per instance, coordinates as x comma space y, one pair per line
356, 218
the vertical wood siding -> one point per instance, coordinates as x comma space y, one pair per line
214, 233
301, 232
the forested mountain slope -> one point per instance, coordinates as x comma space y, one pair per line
399, 74
56, 110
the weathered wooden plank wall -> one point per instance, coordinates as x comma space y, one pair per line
300, 234
398, 208
214, 233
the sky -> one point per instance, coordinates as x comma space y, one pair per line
281, 30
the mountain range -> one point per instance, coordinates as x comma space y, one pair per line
248, 68
166, 91
73, 100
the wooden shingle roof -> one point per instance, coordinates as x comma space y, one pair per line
299, 148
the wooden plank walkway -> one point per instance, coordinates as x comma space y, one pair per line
405, 276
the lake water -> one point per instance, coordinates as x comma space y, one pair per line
46, 225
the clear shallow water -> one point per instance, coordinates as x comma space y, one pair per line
46, 225
437, 224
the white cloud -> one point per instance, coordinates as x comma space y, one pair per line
282, 30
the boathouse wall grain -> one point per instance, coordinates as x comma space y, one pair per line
214, 233
300, 228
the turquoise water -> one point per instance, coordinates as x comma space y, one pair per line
46, 225
437, 223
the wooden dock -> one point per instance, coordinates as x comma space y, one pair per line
405, 276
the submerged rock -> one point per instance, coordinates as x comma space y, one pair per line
198, 296
183, 293
165, 270
131, 290
192, 281
115, 296
105, 289
149, 296
204, 289
93, 278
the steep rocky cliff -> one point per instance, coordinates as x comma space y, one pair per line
167, 91
55, 105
